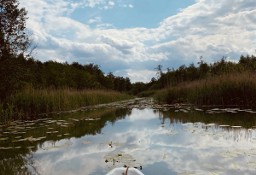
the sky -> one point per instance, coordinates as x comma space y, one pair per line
130, 38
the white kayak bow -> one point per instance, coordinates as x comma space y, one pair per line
125, 171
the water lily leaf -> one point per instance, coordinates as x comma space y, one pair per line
224, 125
3, 139
18, 137
76, 120
5, 148
236, 126
211, 124
66, 145
122, 158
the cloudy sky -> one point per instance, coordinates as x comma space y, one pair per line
131, 37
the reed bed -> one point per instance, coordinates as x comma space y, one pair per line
225, 90
31, 102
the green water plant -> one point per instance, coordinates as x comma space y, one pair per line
30, 102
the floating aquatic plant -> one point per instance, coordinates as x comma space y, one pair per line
121, 158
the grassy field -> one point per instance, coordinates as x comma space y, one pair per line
31, 102
225, 90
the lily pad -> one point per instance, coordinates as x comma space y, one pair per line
224, 125
236, 126
76, 120
3, 139
198, 109
121, 158
65, 145
5, 148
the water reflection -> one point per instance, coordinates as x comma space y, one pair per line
21, 139
245, 120
161, 142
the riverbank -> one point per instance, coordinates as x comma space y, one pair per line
30, 102
224, 90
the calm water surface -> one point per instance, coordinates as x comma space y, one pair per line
158, 140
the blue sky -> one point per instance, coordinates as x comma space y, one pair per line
131, 37
131, 13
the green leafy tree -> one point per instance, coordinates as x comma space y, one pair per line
13, 38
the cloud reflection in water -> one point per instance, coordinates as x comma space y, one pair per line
159, 145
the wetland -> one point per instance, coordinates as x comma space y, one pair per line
157, 139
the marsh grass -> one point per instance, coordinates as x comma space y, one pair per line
31, 102
225, 90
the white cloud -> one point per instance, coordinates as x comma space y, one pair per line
144, 75
111, 3
100, 4
130, 5
92, 3
212, 29
127, 5
95, 20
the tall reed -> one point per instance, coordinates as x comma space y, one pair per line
225, 90
35, 101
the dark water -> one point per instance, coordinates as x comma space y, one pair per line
157, 139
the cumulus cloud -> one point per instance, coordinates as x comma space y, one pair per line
212, 29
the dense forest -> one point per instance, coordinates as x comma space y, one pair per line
19, 72
18, 69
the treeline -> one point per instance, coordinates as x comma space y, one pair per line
223, 83
30, 87
18, 72
184, 73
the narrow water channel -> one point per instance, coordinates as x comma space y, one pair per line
158, 139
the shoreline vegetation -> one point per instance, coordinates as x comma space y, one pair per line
52, 87
30, 103
237, 89
222, 83
29, 87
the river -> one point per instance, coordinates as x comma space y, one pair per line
157, 139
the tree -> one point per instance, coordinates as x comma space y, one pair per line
203, 67
159, 72
13, 39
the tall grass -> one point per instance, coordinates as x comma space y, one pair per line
225, 90
31, 102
